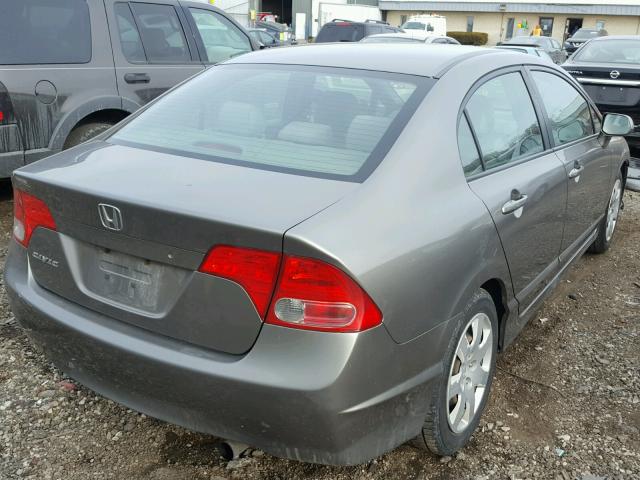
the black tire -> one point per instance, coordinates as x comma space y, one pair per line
602, 243
437, 434
85, 132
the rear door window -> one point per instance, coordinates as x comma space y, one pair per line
162, 34
44, 32
567, 110
504, 121
130, 40
314, 121
220, 38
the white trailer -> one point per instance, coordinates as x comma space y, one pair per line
325, 12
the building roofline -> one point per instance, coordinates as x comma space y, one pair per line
506, 7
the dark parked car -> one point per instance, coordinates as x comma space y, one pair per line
548, 44
263, 38
609, 70
281, 31
581, 36
317, 251
71, 69
348, 31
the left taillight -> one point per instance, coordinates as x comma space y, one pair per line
29, 213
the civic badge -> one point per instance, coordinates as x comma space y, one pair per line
110, 216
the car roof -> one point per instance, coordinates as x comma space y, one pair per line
615, 37
407, 58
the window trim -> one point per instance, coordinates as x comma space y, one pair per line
536, 68
135, 24
533, 98
185, 35
199, 43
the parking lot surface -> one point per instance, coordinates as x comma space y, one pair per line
565, 403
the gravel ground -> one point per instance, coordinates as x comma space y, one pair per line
565, 401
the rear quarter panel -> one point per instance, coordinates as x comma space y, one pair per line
414, 235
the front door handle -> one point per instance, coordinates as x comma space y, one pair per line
137, 78
576, 170
517, 201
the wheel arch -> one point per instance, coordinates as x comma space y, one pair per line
498, 291
109, 108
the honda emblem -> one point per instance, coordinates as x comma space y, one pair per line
110, 216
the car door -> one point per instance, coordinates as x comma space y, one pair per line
576, 143
153, 48
519, 178
217, 36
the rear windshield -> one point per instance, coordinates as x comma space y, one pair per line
340, 32
610, 51
44, 32
585, 33
414, 26
315, 121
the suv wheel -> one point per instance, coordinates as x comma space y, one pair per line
460, 397
85, 132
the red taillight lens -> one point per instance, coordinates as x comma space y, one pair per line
314, 295
254, 270
29, 213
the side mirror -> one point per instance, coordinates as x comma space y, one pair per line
616, 124
262, 46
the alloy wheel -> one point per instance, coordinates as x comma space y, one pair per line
614, 209
469, 373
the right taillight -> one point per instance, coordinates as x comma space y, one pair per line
314, 295
29, 213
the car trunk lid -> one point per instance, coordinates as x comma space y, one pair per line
133, 226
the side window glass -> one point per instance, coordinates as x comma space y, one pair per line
221, 38
568, 112
469, 155
129, 37
161, 32
504, 120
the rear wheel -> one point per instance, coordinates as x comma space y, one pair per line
458, 401
607, 226
85, 132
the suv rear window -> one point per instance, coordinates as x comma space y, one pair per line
341, 32
44, 32
314, 121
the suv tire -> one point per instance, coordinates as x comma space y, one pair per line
85, 132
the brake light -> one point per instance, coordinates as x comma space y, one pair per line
254, 270
1, 116
29, 213
314, 295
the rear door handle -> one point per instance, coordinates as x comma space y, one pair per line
137, 78
517, 201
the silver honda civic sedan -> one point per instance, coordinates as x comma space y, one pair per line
317, 251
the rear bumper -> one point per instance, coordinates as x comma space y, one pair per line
311, 396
